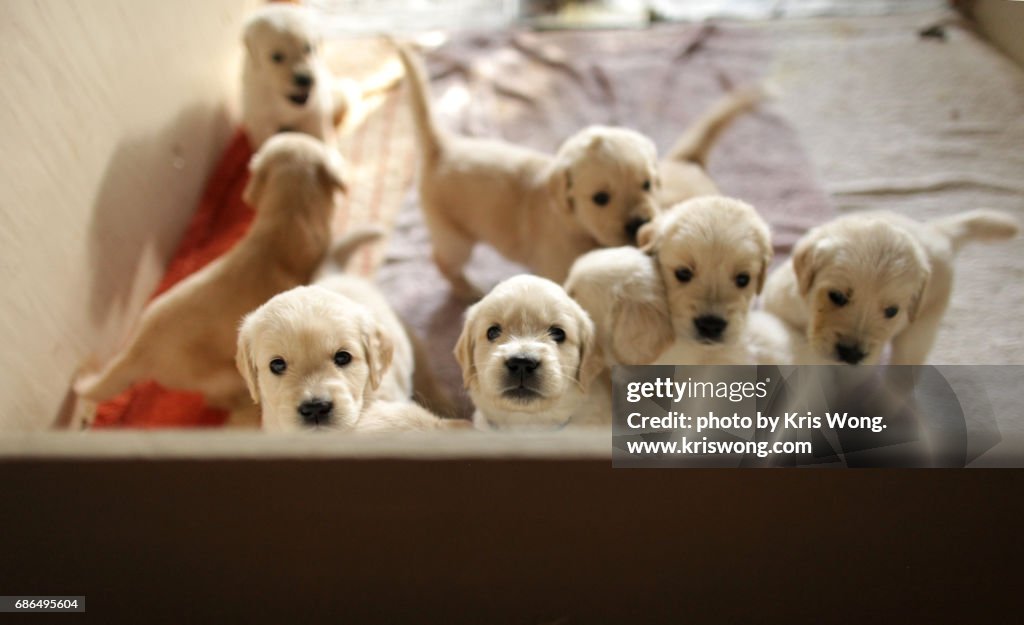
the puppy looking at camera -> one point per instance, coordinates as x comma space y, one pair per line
528, 356
285, 84
712, 254
331, 356
535, 209
866, 280
186, 336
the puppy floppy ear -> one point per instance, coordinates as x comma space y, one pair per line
767, 254
591, 360
925, 278
641, 330
647, 235
244, 360
464, 350
258, 171
379, 350
560, 186
249, 37
332, 171
809, 257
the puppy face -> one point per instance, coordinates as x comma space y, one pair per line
863, 280
282, 46
713, 253
606, 178
527, 353
297, 166
311, 357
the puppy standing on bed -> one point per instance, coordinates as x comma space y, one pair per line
528, 356
865, 280
186, 336
685, 298
331, 356
535, 209
285, 84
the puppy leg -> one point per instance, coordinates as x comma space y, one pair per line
452, 250
120, 373
911, 346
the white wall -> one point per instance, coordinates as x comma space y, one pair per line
111, 115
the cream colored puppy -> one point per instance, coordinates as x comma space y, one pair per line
538, 210
331, 356
869, 279
528, 356
622, 291
712, 253
186, 336
285, 84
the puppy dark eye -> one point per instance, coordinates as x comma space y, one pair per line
891, 311
277, 57
277, 366
837, 298
647, 185
557, 334
342, 358
601, 198
742, 280
683, 274
493, 333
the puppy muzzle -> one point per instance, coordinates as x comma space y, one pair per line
315, 412
710, 328
633, 226
521, 377
851, 354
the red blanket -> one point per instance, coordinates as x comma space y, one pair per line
221, 219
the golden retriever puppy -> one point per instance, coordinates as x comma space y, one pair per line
870, 279
331, 356
622, 291
712, 253
539, 210
683, 172
285, 84
186, 336
528, 356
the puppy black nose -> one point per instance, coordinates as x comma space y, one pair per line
850, 354
710, 326
521, 365
633, 226
314, 411
302, 79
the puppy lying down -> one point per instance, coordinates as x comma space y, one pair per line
528, 356
536, 209
331, 356
869, 279
185, 338
685, 297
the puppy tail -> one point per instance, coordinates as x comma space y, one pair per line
348, 244
116, 377
426, 390
697, 141
977, 225
427, 131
